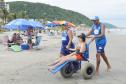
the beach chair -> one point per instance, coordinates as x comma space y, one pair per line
5, 41
37, 43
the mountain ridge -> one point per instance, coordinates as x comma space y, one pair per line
49, 12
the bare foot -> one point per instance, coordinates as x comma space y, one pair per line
108, 68
50, 65
51, 68
97, 73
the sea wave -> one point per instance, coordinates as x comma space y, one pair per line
121, 31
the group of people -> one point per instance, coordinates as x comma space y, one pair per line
33, 34
68, 48
17, 39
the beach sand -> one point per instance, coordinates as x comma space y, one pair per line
30, 67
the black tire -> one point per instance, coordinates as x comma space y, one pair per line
88, 71
67, 71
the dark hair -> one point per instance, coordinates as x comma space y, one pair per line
82, 36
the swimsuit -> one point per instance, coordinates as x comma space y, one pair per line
65, 40
84, 55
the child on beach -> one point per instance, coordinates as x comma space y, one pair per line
78, 55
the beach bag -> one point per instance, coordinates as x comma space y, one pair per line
24, 46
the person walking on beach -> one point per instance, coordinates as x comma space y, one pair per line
98, 31
67, 37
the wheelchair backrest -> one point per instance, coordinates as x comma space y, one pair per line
86, 53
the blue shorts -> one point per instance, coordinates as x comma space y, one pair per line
100, 45
100, 48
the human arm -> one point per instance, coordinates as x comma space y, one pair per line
70, 35
92, 39
72, 49
89, 33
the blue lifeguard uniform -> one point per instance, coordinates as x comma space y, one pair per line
100, 41
65, 41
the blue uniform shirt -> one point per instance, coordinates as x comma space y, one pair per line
101, 41
65, 41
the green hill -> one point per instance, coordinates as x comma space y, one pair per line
44, 11
108, 25
50, 13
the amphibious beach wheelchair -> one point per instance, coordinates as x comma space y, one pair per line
68, 68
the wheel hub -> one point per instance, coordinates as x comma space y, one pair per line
89, 71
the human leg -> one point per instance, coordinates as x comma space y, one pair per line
55, 62
62, 60
97, 63
106, 61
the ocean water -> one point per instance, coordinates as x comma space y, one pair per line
120, 31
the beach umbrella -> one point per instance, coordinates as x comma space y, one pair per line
64, 23
36, 24
56, 22
20, 24
59, 22
10, 27
71, 24
51, 24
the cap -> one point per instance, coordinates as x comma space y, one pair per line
95, 18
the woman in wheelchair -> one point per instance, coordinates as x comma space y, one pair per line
78, 55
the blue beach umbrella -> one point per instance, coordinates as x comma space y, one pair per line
36, 24
20, 24
51, 24
9, 27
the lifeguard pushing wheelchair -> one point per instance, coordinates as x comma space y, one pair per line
70, 64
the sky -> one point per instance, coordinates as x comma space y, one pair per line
111, 11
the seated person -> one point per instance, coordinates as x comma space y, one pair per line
14, 38
79, 55
6, 40
29, 35
19, 39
